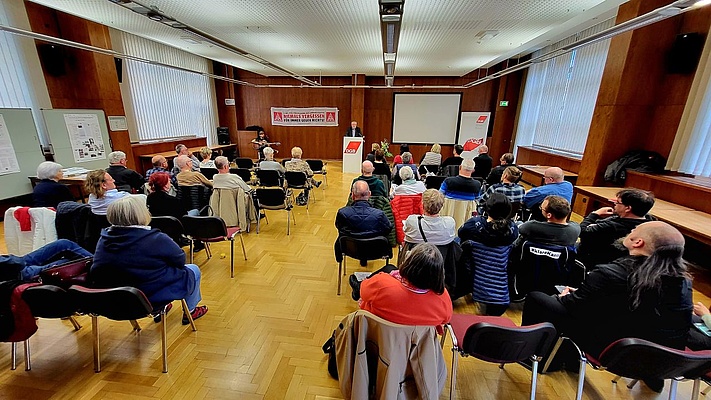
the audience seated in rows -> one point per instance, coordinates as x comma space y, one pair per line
455, 159
102, 191
381, 166
556, 230
182, 150
160, 164
432, 157
48, 192
296, 164
159, 202
409, 185
554, 185
406, 162
496, 173
482, 162
377, 188
601, 229
645, 295
360, 220
126, 179
30, 265
224, 180
508, 186
494, 229
462, 186
268, 163
438, 230
130, 253
206, 155
188, 176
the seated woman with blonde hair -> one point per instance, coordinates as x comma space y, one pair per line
206, 155
130, 253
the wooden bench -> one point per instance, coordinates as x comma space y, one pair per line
693, 223
533, 174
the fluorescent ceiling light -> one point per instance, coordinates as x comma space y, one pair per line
389, 57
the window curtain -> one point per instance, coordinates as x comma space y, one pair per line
560, 94
14, 90
691, 151
164, 102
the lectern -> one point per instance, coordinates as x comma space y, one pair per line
352, 154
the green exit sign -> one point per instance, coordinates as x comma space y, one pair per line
504, 103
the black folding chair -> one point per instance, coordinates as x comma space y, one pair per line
171, 226
362, 249
298, 180
193, 197
274, 198
244, 163
319, 168
268, 178
539, 267
208, 172
245, 174
210, 229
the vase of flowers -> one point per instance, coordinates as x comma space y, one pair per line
384, 146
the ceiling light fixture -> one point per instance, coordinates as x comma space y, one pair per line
390, 20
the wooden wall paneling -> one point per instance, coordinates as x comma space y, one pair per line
226, 115
504, 118
533, 156
139, 149
672, 190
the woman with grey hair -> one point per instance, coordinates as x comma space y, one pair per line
49, 192
130, 253
409, 185
268, 163
438, 230
406, 162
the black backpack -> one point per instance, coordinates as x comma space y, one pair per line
638, 160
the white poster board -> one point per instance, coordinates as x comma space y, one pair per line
85, 137
473, 127
8, 157
67, 137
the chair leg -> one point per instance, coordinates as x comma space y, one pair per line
232, 258
164, 341
13, 356
191, 250
552, 354
244, 252
581, 378
453, 382
186, 311
135, 325
97, 352
632, 383
616, 378
534, 379
705, 391
672, 389
28, 363
444, 336
340, 268
208, 251
74, 322
695, 389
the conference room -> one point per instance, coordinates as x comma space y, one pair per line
569, 84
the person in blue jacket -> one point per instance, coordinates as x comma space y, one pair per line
130, 253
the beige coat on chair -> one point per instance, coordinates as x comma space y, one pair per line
460, 210
410, 362
234, 206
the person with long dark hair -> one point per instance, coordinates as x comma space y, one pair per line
494, 228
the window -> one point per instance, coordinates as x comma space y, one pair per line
162, 102
560, 94
691, 152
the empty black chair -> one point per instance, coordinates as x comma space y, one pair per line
362, 249
498, 340
208, 172
274, 198
269, 178
243, 173
434, 182
452, 170
319, 168
193, 197
210, 229
297, 180
121, 304
171, 226
244, 163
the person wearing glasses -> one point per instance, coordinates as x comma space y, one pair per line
601, 230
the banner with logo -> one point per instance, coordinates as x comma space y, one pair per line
473, 127
315, 116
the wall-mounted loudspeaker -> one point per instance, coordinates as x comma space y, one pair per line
119, 69
223, 135
52, 58
683, 57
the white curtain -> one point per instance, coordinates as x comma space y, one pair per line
691, 152
164, 102
560, 94
14, 90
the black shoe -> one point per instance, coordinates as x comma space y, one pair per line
363, 263
262, 215
355, 286
317, 183
656, 385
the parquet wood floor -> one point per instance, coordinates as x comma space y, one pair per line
262, 336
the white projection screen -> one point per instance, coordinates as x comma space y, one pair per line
426, 118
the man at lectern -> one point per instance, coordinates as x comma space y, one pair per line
354, 130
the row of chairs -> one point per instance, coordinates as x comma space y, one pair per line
244, 167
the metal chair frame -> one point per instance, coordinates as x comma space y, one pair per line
319, 171
381, 253
286, 205
195, 225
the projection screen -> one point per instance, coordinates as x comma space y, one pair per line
426, 118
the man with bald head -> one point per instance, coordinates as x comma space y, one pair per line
646, 294
160, 164
555, 185
483, 162
360, 220
377, 187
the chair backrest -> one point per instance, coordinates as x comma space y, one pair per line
208, 172
541, 267
315, 165
641, 359
381, 168
424, 169
489, 271
434, 181
193, 197
171, 226
366, 249
452, 170
120, 304
271, 198
386, 181
499, 344
460, 210
244, 162
204, 227
295, 179
243, 173
49, 301
268, 177
515, 213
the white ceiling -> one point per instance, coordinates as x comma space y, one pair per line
342, 37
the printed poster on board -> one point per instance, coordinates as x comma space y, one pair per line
314, 116
8, 158
85, 137
473, 128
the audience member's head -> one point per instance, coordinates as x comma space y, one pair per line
296, 152
182, 149
50, 170
117, 158
498, 209
507, 159
268, 153
374, 147
423, 267
466, 168
553, 175
633, 201
406, 157
432, 201
406, 174
511, 175
555, 208
404, 148
436, 148
183, 162
128, 211
159, 182
379, 155
205, 153
159, 162
222, 164
458, 149
98, 182
367, 168
483, 149
354, 124
360, 190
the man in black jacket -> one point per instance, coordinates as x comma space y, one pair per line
126, 179
494, 177
600, 230
482, 162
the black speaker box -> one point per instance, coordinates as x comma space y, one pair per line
52, 58
119, 69
684, 55
223, 135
